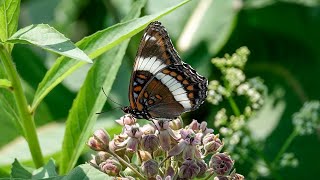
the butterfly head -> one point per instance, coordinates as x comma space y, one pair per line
127, 109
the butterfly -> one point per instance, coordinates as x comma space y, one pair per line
162, 86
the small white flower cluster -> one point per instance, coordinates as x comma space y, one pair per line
234, 77
237, 59
307, 120
254, 89
289, 160
216, 92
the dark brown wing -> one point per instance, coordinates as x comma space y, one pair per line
155, 52
173, 90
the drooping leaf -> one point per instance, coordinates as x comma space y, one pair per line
91, 99
9, 14
211, 22
18, 171
95, 45
46, 37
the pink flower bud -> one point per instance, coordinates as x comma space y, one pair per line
150, 143
189, 169
211, 143
221, 163
99, 141
203, 168
150, 168
111, 166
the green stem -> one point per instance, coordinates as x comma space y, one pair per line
22, 105
284, 147
209, 176
234, 106
127, 164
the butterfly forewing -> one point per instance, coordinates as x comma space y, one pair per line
161, 84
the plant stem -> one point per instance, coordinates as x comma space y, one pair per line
209, 176
234, 106
284, 147
127, 164
22, 105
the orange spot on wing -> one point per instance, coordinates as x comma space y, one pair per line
165, 71
139, 106
190, 95
185, 82
150, 102
173, 73
137, 88
146, 95
190, 88
142, 76
179, 77
158, 96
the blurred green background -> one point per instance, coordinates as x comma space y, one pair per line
282, 35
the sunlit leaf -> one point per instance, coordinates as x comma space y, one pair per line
5, 83
48, 38
95, 45
211, 22
91, 99
9, 14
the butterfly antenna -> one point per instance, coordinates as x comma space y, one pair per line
110, 98
108, 110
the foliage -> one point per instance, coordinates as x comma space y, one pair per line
253, 101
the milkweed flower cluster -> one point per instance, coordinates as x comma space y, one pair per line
161, 150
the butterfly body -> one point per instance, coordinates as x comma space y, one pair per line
162, 86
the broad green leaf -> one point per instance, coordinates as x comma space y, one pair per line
5, 83
18, 171
46, 37
9, 15
50, 137
95, 45
211, 22
86, 171
91, 99
48, 170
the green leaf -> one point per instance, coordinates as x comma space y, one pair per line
86, 171
18, 171
91, 99
5, 83
211, 22
95, 45
49, 170
46, 37
9, 15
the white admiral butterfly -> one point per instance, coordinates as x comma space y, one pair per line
162, 86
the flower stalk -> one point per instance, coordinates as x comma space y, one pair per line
27, 119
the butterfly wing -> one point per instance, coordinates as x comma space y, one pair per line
155, 52
161, 83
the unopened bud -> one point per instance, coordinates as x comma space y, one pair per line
150, 168
203, 168
111, 167
212, 143
150, 143
221, 163
99, 141
189, 169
